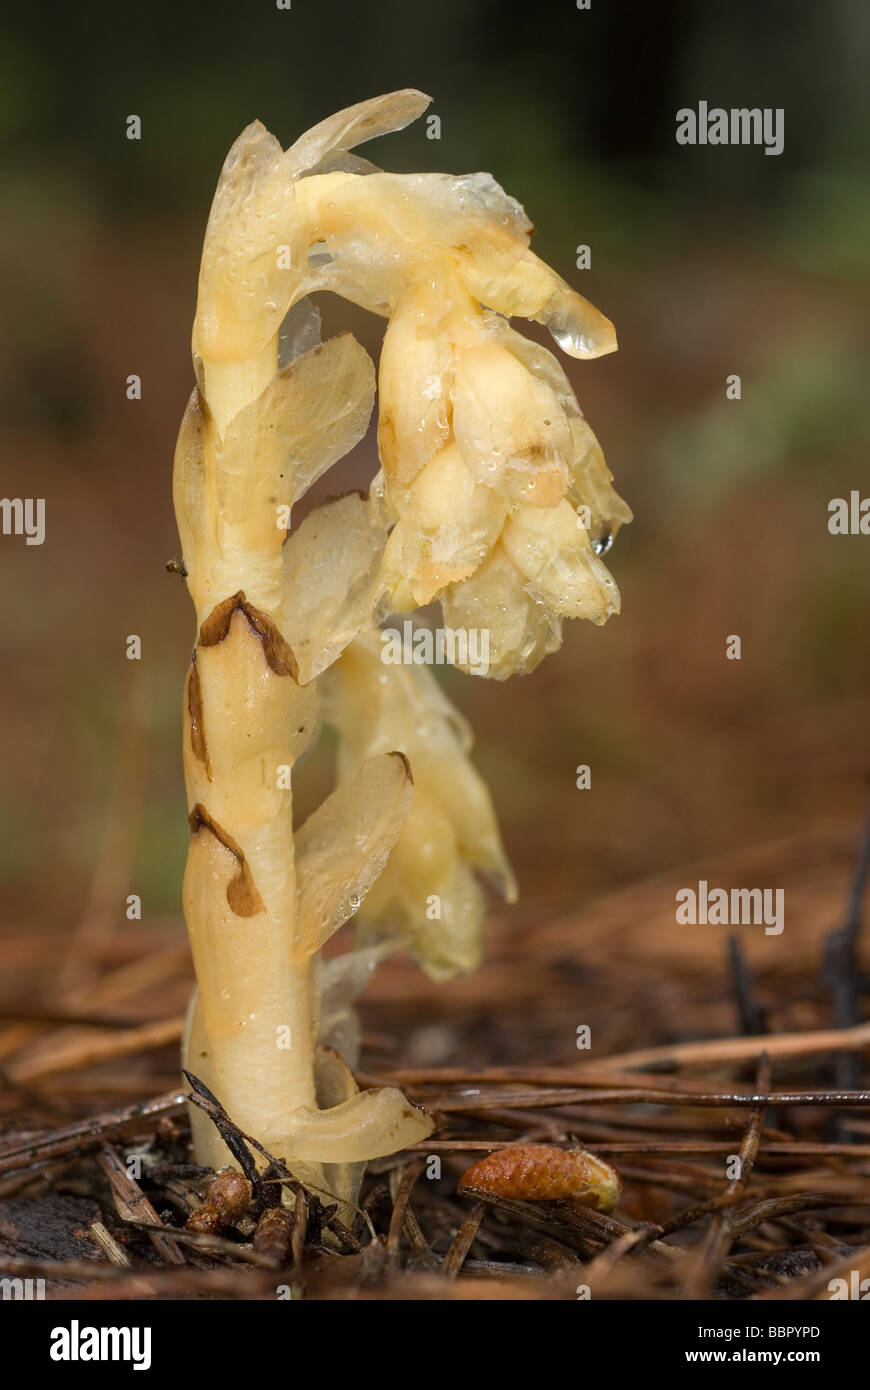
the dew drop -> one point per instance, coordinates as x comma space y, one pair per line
569, 339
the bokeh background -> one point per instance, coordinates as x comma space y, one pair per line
710, 261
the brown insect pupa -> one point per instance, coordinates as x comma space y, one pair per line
545, 1173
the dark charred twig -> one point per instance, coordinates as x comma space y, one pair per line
300, 1224
749, 1012
576, 1225
230, 1133
540, 1216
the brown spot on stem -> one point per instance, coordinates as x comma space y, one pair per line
242, 894
194, 709
387, 439
277, 651
397, 754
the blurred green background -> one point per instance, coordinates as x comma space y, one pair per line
709, 260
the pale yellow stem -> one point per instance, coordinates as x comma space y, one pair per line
230, 386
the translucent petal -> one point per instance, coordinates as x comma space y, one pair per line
313, 412
447, 525
343, 162
517, 284
195, 518
577, 326
354, 125
343, 846
537, 360
344, 979
414, 381
300, 331
425, 873
454, 785
554, 554
512, 432
371, 243
477, 196
243, 290
425, 870
332, 584
372, 703
591, 485
522, 631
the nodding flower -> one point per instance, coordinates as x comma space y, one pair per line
428, 897
503, 500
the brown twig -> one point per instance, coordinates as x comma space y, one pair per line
714, 1247
399, 1220
642, 1096
85, 1134
132, 1205
89, 1052
463, 1241
777, 1046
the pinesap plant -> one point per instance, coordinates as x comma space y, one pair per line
492, 499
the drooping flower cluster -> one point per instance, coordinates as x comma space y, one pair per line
502, 494
497, 486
